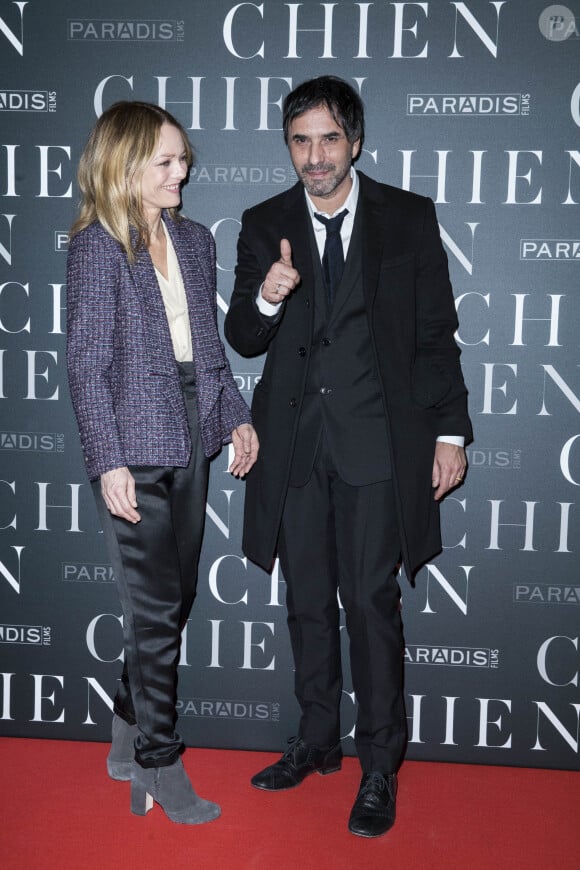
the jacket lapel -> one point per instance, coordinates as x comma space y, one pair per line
196, 263
377, 233
295, 226
157, 336
196, 271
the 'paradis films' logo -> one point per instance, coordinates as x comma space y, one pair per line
61, 241
87, 572
465, 105
494, 457
246, 381
221, 708
242, 174
546, 593
124, 30
32, 442
550, 249
451, 656
15, 100
29, 635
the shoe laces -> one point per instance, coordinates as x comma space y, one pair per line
378, 780
293, 744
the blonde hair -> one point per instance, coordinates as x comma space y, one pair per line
122, 143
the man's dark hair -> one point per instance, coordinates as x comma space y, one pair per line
341, 100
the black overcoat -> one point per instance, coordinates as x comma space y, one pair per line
412, 320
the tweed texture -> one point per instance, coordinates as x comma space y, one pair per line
123, 377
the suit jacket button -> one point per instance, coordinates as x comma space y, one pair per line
325, 391
301, 351
293, 402
326, 341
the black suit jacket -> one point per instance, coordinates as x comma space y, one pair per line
343, 394
412, 320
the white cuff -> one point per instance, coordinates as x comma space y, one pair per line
458, 440
267, 308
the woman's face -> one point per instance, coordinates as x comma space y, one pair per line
163, 176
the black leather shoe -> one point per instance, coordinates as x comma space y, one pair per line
296, 764
373, 812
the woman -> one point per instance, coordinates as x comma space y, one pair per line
154, 398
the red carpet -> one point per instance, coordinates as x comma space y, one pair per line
60, 810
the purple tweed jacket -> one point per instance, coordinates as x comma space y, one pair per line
123, 377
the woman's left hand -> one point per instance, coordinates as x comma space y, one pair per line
118, 490
246, 445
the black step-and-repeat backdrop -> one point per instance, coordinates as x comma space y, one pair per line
476, 104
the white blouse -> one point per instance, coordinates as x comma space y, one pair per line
175, 302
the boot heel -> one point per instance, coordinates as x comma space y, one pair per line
332, 762
330, 768
141, 800
122, 751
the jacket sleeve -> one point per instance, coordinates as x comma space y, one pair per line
234, 410
92, 277
248, 330
437, 377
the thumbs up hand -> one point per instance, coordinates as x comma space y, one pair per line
282, 277
285, 252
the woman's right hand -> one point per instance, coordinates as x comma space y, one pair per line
118, 489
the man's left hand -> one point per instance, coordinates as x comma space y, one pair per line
448, 468
246, 445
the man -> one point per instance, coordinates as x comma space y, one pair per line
361, 415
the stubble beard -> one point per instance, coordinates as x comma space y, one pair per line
324, 187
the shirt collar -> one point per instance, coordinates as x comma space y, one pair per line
350, 202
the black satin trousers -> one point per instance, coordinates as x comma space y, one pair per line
155, 564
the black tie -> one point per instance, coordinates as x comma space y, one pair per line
333, 258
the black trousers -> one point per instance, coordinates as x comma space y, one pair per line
340, 537
155, 565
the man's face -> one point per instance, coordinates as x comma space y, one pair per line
322, 156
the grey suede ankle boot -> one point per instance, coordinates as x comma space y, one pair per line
122, 752
171, 789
